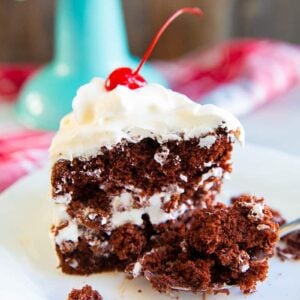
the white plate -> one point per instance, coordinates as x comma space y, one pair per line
28, 265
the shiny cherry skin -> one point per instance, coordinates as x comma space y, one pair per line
124, 76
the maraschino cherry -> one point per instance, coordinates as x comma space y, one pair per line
126, 76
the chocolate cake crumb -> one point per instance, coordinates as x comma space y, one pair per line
277, 217
85, 293
128, 242
291, 247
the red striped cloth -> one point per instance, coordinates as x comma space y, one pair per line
21, 153
237, 75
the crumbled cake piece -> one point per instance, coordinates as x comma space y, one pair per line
290, 246
85, 293
277, 217
212, 249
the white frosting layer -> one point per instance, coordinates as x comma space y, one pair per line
103, 118
123, 211
207, 141
68, 233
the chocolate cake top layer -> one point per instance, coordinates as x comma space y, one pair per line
104, 118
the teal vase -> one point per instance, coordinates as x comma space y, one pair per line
90, 40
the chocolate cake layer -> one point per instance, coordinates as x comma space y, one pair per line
104, 252
127, 189
212, 249
146, 166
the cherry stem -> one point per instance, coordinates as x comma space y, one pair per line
190, 10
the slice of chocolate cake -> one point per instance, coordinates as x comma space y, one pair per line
127, 160
212, 249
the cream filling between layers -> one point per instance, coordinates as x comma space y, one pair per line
122, 210
101, 118
70, 232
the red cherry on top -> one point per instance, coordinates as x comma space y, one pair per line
126, 76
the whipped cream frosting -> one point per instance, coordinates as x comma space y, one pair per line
103, 118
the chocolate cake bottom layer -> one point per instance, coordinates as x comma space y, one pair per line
205, 249
86, 244
103, 252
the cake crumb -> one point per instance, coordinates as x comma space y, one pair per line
277, 217
85, 293
290, 248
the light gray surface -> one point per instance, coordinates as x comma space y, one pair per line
277, 124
